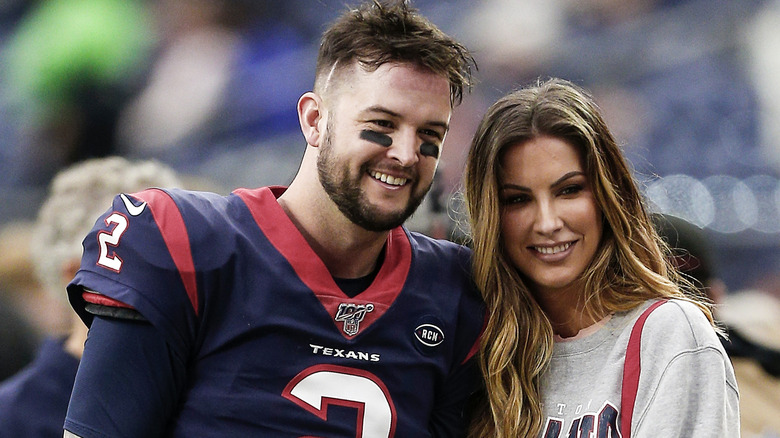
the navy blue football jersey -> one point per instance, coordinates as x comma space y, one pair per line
272, 346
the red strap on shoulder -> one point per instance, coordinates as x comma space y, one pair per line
631, 371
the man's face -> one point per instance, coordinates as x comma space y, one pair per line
384, 134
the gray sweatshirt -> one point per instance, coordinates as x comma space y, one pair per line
686, 387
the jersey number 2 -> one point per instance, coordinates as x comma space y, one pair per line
317, 387
111, 239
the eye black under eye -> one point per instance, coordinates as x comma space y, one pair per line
429, 150
376, 137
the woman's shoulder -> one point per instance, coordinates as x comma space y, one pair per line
680, 322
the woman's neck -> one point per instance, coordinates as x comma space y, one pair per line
566, 310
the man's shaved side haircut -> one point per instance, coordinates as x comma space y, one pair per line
381, 32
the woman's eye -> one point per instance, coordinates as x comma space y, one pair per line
515, 199
571, 189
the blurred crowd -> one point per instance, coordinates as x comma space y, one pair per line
208, 87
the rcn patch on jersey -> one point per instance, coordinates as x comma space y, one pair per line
428, 334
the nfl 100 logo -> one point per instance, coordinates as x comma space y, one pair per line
351, 314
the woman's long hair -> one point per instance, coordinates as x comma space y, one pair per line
629, 267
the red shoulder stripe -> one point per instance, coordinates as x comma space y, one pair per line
631, 370
171, 225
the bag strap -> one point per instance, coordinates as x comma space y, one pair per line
631, 370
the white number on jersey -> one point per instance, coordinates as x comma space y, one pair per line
111, 239
317, 387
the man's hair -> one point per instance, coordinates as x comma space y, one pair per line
379, 32
77, 196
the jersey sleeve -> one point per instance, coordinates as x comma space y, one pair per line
128, 382
138, 256
687, 384
449, 418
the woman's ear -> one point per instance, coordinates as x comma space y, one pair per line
310, 113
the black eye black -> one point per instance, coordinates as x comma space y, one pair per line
429, 150
376, 137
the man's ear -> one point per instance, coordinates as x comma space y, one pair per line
310, 115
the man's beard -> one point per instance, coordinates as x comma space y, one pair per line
346, 193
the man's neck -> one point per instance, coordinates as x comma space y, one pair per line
348, 250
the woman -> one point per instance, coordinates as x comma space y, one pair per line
567, 261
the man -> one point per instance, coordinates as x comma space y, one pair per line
305, 311
33, 402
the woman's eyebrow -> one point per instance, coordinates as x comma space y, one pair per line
560, 180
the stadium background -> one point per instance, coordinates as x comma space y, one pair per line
689, 86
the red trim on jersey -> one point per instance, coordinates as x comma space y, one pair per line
286, 238
96, 298
478, 342
631, 370
174, 232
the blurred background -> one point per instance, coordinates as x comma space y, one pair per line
209, 87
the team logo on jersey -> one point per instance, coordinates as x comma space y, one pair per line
351, 314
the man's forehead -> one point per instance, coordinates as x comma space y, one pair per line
397, 75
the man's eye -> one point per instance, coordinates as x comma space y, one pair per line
431, 133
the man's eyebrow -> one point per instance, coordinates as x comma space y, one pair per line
380, 109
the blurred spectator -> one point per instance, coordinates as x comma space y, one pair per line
17, 340
68, 67
10, 13
762, 38
692, 253
219, 92
751, 319
676, 68
43, 312
514, 40
20, 335
34, 401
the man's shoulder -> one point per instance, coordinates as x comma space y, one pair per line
439, 247
200, 212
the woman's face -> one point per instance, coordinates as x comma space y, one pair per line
550, 223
